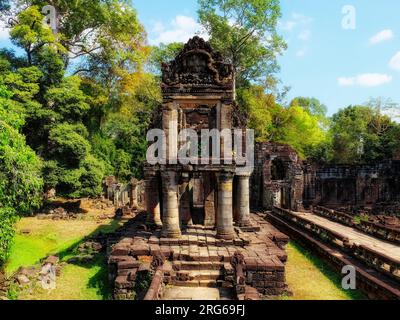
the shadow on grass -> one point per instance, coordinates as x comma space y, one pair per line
328, 272
99, 280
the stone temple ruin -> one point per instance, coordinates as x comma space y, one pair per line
197, 230
198, 94
210, 225
282, 179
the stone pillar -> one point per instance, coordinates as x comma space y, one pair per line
133, 203
152, 199
184, 201
225, 228
209, 193
171, 223
170, 127
297, 189
243, 200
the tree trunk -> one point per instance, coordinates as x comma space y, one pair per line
234, 84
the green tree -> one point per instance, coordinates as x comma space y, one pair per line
68, 100
20, 171
69, 144
296, 125
163, 53
361, 134
258, 106
245, 31
31, 34
314, 107
299, 129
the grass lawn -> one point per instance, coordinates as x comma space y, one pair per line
76, 282
60, 238
309, 278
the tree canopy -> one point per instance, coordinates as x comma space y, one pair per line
245, 31
21, 181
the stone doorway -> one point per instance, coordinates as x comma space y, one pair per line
198, 202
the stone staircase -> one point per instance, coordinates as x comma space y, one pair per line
201, 274
198, 259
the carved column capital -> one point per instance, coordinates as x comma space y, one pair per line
225, 176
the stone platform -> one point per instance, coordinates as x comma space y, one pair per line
198, 259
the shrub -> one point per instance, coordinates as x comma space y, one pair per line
69, 184
52, 172
86, 181
8, 218
21, 184
92, 177
69, 143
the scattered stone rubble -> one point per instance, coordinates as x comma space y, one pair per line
3, 286
60, 214
43, 275
73, 210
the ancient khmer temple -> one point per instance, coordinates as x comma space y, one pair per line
196, 229
212, 224
197, 89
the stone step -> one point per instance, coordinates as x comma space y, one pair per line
202, 258
194, 266
196, 283
200, 275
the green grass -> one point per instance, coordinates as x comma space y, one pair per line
48, 237
60, 238
309, 278
77, 282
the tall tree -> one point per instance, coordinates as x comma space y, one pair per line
106, 52
361, 134
246, 32
20, 170
294, 125
163, 53
312, 105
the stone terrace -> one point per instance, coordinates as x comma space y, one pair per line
199, 259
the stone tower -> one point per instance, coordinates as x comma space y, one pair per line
197, 89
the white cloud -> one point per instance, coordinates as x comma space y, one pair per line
365, 80
287, 25
384, 35
302, 52
395, 61
301, 19
296, 20
180, 29
304, 35
4, 32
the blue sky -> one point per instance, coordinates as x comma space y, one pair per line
338, 66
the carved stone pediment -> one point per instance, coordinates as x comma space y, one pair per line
197, 65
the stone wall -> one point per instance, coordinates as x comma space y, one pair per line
373, 187
131, 194
278, 177
281, 179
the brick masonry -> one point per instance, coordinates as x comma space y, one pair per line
197, 259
